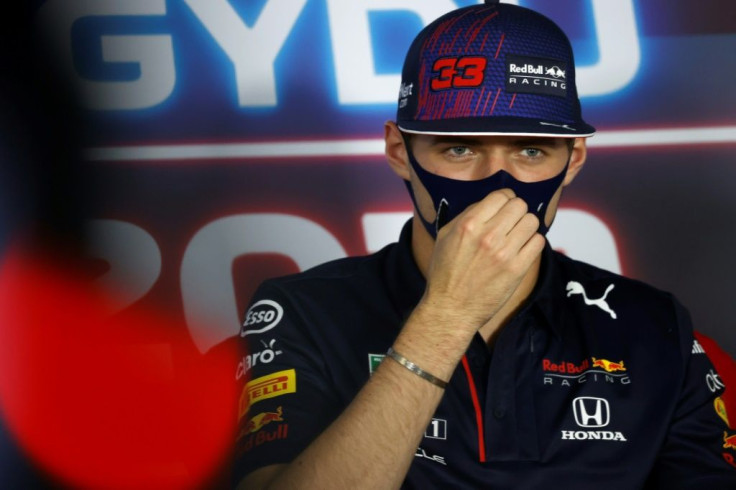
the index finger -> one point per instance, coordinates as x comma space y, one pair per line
489, 206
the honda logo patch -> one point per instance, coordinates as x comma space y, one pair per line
591, 412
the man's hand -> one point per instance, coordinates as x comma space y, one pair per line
479, 260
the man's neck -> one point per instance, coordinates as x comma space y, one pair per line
422, 246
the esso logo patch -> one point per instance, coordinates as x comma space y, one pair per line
261, 317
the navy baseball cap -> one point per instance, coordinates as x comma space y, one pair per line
491, 69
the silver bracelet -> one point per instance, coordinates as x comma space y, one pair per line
415, 369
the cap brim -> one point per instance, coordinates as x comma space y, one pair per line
498, 126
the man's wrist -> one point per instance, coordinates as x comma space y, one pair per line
414, 368
434, 343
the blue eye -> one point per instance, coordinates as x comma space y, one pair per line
532, 152
458, 151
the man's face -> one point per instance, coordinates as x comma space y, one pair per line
527, 159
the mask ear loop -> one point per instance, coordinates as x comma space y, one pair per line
442, 208
541, 210
441, 219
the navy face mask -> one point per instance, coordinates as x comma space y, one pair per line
450, 197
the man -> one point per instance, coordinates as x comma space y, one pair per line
507, 365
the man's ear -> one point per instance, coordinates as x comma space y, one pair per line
578, 154
395, 150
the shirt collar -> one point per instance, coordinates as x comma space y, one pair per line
548, 296
404, 281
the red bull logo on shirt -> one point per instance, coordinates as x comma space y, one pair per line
729, 459
729, 442
609, 366
566, 373
566, 367
258, 421
254, 440
720, 407
254, 436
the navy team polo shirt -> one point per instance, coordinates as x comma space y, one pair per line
597, 382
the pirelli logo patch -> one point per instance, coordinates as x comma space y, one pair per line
265, 387
527, 75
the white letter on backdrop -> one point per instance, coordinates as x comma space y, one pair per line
583, 236
133, 255
618, 47
357, 82
252, 50
154, 54
207, 289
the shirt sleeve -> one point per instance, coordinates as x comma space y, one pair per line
726, 367
287, 400
698, 452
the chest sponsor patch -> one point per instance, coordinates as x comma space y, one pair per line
593, 417
594, 369
575, 288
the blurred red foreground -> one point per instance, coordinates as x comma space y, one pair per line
96, 400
